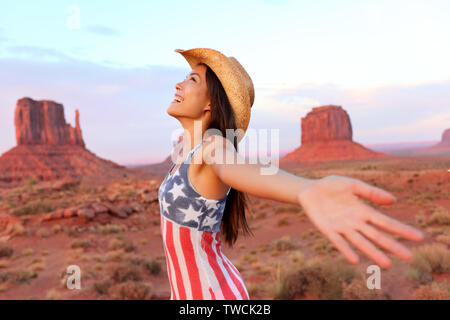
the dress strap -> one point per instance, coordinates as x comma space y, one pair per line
193, 150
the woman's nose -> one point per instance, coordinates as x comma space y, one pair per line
178, 86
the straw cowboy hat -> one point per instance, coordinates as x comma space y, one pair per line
235, 80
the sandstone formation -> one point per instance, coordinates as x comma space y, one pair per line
48, 148
326, 123
326, 134
43, 122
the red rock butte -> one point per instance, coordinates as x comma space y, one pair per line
442, 148
48, 148
326, 134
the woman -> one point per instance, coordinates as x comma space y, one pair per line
201, 202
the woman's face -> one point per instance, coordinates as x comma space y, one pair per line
192, 95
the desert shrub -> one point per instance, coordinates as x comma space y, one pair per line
433, 291
131, 290
56, 228
27, 251
445, 239
6, 251
323, 246
153, 267
29, 182
111, 228
427, 259
357, 290
321, 277
282, 244
126, 245
102, 287
283, 222
440, 216
250, 258
126, 272
80, 244
115, 255
17, 276
37, 206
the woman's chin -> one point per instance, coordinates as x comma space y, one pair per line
173, 110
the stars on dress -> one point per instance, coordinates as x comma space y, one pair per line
181, 203
164, 204
209, 222
177, 191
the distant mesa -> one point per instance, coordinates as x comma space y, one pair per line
442, 148
326, 134
48, 148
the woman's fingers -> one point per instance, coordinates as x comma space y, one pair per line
372, 193
342, 245
393, 226
386, 242
368, 248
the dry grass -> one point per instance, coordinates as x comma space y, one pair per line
283, 244
131, 290
126, 245
321, 277
284, 221
27, 252
433, 291
37, 264
126, 272
111, 228
427, 259
102, 287
80, 244
17, 277
440, 216
357, 290
34, 207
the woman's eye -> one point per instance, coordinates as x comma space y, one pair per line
192, 78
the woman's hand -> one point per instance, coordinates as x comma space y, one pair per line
333, 206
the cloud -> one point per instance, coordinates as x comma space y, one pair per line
384, 114
103, 30
35, 52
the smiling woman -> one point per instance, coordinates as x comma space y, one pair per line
201, 202
196, 207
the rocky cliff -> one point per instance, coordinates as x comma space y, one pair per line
43, 122
327, 134
48, 148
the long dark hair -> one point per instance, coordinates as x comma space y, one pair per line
222, 118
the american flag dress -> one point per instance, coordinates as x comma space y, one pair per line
190, 228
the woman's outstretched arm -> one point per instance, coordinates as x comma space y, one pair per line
332, 203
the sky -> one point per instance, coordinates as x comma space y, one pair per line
385, 62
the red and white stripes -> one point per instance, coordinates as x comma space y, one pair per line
196, 266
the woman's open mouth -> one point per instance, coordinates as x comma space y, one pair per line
177, 99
